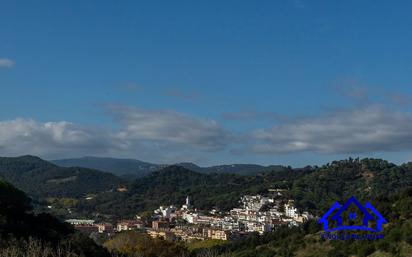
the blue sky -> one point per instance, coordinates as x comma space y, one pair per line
275, 82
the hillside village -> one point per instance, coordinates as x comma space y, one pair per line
256, 213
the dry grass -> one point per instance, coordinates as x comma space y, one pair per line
35, 248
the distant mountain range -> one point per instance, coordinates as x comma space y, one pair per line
239, 169
76, 178
137, 168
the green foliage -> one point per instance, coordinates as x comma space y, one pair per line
118, 167
16, 217
201, 244
18, 226
131, 243
41, 179
12, 200
366, 179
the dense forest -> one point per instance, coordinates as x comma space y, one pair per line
22, 232
42, 179
119, 167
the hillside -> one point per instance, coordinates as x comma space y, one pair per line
137, 168
366, 179
41, 179
172, 184
118, 167
305, 241
23, 234
239, 169
313, 188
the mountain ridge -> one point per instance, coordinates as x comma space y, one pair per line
138, 168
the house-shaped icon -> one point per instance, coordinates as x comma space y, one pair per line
324, 220
368, 212
378, 217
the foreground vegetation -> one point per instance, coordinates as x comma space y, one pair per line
35, 248
23, 233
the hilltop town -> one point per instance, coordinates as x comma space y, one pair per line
256, 213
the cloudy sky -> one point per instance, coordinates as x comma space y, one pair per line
280, 82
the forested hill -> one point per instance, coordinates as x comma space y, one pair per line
24, 234
366, 179
172, 184
40, 178
313, 188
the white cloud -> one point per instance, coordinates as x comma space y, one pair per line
169, 127
163, 136
27, 136
369, 129
168, 136
6, 63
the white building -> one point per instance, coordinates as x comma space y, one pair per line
290, 210
80, 222
187, 205
190, 217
